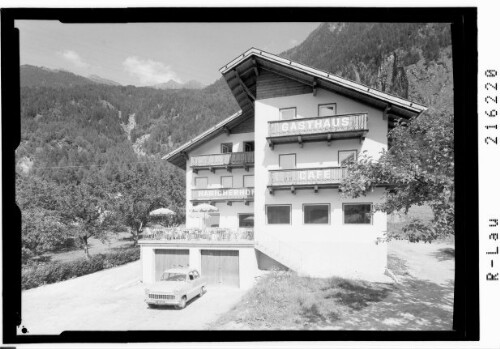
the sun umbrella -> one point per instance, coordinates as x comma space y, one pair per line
162, 212
204, 208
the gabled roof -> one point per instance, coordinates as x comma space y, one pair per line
241, 76
178, 156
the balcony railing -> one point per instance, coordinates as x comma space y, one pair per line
307, 176
224, 194
321, 128
177, 234
240, 159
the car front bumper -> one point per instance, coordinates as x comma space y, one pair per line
163, 301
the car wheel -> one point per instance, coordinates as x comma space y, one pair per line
182, 303
203, 290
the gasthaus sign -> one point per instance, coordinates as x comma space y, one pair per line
319, 125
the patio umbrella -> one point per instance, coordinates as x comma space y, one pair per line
162, 212
204, 208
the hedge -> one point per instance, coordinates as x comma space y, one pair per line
50, 273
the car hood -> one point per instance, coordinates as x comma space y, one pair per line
167, 286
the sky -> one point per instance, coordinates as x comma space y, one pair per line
145, 54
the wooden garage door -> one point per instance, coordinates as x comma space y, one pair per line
221, 267
165, 259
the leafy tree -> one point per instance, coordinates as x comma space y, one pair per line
41, 232
419, 170
150, 186
87, 210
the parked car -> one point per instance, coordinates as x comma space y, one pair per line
176, 287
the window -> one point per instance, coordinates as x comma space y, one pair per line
357, 214
248, 181
226, 181
288, 113
226, 148
245, 220
316, 214
327, 109
213, 220
346, 156
278, 214
287, 161
248, 146
201, 182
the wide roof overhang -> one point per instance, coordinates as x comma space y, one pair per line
242, 72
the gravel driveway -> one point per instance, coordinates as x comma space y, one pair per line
113, 300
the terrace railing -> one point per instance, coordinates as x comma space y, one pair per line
319, 124
307, 176
239, 159
209, 234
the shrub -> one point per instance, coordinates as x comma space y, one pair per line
49, 273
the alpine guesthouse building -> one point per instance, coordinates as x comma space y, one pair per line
275, 167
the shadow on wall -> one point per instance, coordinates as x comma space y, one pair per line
264, 262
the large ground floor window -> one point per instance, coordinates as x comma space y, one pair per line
245, 220
357, 213
316, 213
279, 214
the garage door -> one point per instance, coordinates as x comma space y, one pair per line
220, 267
165, 259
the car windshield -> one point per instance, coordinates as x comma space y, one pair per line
173, 277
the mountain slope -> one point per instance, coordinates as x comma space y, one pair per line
99, 80
174, 85
32, 76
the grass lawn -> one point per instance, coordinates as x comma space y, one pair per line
422, 301
114, 243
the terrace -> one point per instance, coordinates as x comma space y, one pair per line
317, 129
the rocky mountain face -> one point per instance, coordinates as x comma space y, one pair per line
412, 60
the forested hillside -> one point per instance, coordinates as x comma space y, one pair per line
75, 130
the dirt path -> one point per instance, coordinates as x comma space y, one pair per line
113, 300
423, 300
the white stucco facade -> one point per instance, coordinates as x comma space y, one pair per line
329, 249
228, 214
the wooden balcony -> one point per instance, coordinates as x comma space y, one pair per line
228, 195
317, 129
306, 178
226, 161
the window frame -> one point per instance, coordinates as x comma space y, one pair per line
244, 186
316, 204
279, 161
289, 108
196, 186
346, 150
248, 142
274, 205
357, 203
325, 104
246, 214
232, 181
222, 146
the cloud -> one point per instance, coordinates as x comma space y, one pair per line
74, 58
294, 42
149, 72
